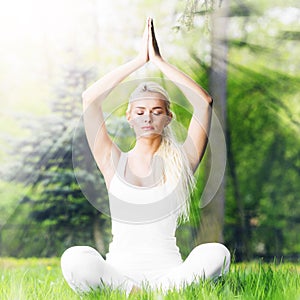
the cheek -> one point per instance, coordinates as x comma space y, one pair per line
163, 120
136, 120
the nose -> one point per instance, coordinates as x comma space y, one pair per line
148, 117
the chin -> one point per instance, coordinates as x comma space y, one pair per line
149, 135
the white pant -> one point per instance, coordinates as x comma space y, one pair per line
84, 269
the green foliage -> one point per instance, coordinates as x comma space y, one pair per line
196, 7
44, 206
262, 178
54, 213
263, 122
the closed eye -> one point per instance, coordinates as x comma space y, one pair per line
157, 112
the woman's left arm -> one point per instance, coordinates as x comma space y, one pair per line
201, 101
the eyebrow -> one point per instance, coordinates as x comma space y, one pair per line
156, 107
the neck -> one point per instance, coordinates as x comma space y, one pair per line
147, 146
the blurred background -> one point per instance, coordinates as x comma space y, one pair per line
245, 53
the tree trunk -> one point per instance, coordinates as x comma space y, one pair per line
241, 229
213, 198
98, 236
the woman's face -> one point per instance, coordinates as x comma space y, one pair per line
148, 115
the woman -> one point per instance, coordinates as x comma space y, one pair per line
148, 187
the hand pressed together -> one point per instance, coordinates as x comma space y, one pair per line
152, 43
149, 49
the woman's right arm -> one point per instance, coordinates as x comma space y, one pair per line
99, 141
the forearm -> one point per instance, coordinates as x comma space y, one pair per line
196, 95
99, 90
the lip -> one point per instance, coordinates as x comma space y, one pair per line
148, 128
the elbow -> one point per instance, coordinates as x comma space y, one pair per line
206, 98
86, 99
84, 96
209, 100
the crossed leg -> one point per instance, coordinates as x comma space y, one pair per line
205, 261
84, 269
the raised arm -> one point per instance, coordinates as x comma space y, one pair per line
98, 139
196, 141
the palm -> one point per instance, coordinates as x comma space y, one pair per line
153, 49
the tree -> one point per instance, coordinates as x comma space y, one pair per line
55, 202
261, 101
262, 119
212, 220
212, 215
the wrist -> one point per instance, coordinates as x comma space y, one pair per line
139, 61
158, 60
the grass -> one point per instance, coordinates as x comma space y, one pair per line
26, 279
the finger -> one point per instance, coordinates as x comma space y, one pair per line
146, 27
152, 27
149, 26
152, 31
153, 39
148, 22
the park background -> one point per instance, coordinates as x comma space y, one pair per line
52, 50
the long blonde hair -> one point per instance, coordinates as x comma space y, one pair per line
177, 168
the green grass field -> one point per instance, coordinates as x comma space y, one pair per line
24, 279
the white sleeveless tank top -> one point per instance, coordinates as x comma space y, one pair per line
143, 227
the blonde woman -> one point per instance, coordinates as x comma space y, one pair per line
149, 186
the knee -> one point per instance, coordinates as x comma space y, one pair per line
74, 251
221, 254
213, 252
219, 249
225, 255
81, 267
75, 255
78, 250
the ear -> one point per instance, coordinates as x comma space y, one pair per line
169, 118
128, 117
